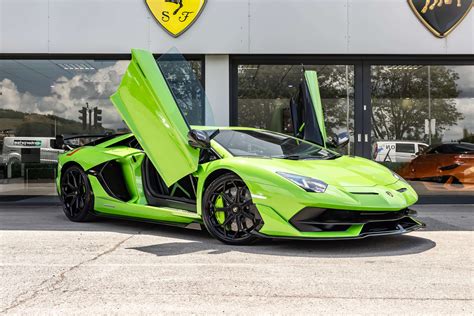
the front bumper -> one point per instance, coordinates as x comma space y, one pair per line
318, 223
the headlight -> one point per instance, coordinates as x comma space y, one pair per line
308, 184
397, 176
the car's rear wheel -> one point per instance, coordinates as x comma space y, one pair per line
76, 195
228, 211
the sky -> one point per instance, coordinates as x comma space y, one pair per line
68, 95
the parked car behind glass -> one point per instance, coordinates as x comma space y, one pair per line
446, 163
397, 150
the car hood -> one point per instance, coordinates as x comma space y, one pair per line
345, 171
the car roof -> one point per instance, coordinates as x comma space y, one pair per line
452, 143
402, 141
204, 128
27, 137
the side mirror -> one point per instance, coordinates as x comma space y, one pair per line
58, 143
199, 139
340, 140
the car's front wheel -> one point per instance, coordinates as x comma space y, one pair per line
76, 195
228, 211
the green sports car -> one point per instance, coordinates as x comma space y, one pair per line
241, 184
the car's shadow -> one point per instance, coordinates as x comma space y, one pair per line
185, 241
370, 247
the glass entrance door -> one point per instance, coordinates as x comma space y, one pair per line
264, 92
422, 125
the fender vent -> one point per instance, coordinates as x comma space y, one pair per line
110, 176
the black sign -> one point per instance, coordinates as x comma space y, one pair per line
30, 155
441, 16
27, 143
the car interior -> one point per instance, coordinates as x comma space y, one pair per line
181, 195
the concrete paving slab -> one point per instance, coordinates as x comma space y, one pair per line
52, 266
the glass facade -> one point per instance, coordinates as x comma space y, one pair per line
43, 98
420, 122
423, 125
417, 120
264, 93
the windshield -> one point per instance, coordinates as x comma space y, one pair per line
455, 148
258, 143
182, 79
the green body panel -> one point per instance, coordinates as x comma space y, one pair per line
107, 205
311, 78
281, 228
147, 106
130, 160
276, 198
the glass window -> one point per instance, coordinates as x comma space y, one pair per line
250, 143
405, 148
43, 98
461, 148
422, 148
184, 80
432, 105
264, 93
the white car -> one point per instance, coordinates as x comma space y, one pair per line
397, 150
18, 149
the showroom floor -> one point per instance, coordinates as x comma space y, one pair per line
50, 265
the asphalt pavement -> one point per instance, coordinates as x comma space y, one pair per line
52, 266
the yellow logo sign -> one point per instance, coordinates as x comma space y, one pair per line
176, 16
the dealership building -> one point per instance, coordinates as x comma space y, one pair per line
399, 80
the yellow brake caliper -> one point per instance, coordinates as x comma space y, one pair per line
220, 215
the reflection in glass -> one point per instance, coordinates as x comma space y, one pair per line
184, 80
43, 98
419, 106
264, 93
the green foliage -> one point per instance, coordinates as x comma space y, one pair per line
468, 139
10, 114
399, 97
401, 105
43, 125
265, 92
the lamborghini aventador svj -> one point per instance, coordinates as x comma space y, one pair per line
241, 184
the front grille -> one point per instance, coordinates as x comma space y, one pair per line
311, 219
388, 226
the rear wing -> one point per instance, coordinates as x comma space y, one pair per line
68, 142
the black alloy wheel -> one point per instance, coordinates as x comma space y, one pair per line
76, 195
228, 211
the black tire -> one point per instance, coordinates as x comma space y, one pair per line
234, 221
76, 195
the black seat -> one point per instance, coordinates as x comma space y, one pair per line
154, 181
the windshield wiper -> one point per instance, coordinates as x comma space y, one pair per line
302, 157
296, 157
290, 157
333, 157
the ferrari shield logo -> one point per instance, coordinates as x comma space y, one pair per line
441, 16
176, 16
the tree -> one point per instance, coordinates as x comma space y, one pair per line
265, 92
399, 97
400, 103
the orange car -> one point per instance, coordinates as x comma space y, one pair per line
445, 163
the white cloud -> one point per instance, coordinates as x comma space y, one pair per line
68, 95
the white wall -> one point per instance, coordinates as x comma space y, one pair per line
217, 87
227, 27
